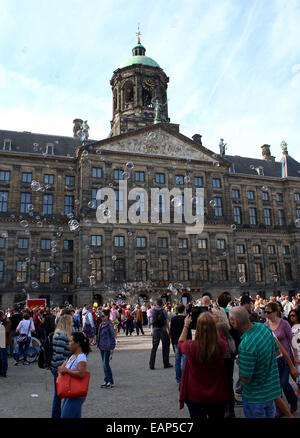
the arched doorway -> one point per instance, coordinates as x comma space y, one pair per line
97, 298
143, 298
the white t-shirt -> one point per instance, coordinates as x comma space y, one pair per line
23, 327
73, 362
2, 336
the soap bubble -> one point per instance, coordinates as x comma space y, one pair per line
265, 188
107, 213
98, 151
51, 272
24, 224
39, 224
187, 179
52, 227
212, 203
30, 207
73, 225
92, 204
85, 154
233, 227
53, 243
297, 223
35, 186
34, 284
216, 164
177, 201
129, 165
4, 235
114, 258
125, 175
77, 202
252, 167
242, 279
70, 215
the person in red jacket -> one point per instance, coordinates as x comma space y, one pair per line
204, 386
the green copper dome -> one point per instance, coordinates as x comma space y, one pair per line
138, 57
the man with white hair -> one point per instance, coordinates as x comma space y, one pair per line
257, 359
205, 301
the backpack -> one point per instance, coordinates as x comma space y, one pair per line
45, 354
159, 319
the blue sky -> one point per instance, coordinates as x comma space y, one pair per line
234, 66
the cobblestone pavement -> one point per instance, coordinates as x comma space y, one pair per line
139, 392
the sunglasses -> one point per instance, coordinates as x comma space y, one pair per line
293, 315
269, 312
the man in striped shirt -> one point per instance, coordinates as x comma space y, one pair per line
257, 365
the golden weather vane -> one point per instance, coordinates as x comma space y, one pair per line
139, 34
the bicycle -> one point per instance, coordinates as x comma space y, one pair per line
33, 350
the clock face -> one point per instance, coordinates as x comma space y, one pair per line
148, 84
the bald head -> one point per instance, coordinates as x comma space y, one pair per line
239, 318
205, 301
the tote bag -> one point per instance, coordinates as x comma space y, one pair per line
71, 387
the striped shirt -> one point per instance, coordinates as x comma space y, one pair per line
257, 362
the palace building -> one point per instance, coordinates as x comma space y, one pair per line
52, 246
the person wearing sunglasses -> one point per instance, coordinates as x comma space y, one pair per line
283, 332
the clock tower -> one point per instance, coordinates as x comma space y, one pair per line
139, 88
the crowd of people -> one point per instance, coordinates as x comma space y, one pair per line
210, 338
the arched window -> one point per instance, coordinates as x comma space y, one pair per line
115, 100
128, 94
147, 97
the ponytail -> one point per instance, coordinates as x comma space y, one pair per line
82, 340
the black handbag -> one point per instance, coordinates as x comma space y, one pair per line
22, 339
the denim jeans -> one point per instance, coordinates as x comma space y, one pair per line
284, 375
149, 322
56, 404
3, 361
259, 410
139, 326
23, 348
180, 360
129, 326
72, 407
108, 377
160, 334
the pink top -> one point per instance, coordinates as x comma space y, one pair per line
284, 335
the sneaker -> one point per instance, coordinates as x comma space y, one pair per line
16, 364
26, 362
104, 385
151, 368
109, 385
169, 366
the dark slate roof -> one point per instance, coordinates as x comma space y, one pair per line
24, 142
244, 165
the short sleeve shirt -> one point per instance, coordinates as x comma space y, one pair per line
258, 362
72, 363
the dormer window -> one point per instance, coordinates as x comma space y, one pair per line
260, 171
49, 149
7, 145
232, 168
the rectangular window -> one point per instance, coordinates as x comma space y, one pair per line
119, 241
21, 271
202, 243
49, 179
44, 272
67, 273
139, 176
198, 181
251, 195
97, 172
1, 270
68, 245
47, 204
69, 204
271, 249
223, 272
70, 181
281, 218
162, 242
258, 272
3, 202
7, 145
119, 270
141, 270
26, 177
49, 149
163, 272
25, 202
96, 240
286, 250
218, 210
118, 174
267, 217
96, 202
288, 271
242, 271
237, 215
265, 196
23, 243
96, 269
203, 270
240, 249
256, 249
183, 243
235, 194
184, 270
2, 242
279, 197
160, 178
298, 213
141, 242
297, 197
252, 216
5, 175
179, 180
221, 244
119, 200
216, 183
45, 244
140, 203
273, 270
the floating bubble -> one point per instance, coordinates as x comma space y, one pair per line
216, 164
78, 280
233, 227
90, 262
70, 215
107, 213
61, 229
77, 202
177, 201
87, 222
34, 284
53, 243
73, 225
53, 250
92, 204
52, 227
24, 224
265, 188
39, 224
187, 179
129, 165
98, 151
125, 175
224, 254
13, 216
212, 203
130, 233
47, 186
114, 258
35, 186
85, 154
51, 272
34, 395
30, 207
242, 279
252, 167
4, 235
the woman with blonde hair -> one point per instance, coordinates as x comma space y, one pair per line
204, 386
61, 352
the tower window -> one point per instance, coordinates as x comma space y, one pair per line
128, 94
